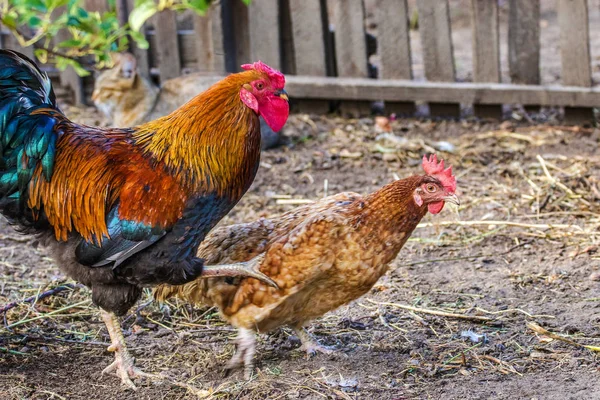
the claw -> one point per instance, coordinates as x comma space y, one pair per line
249, 269
124, 364
310, 345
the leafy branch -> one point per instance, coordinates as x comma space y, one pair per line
63, 32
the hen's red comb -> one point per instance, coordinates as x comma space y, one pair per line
436, 170
276, 77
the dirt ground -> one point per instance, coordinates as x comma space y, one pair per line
521, 248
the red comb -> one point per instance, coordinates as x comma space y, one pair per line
276, 77
436, 170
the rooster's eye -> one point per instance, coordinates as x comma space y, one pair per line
431, 188
260, 85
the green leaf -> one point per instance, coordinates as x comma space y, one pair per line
140, 39
140, 14
79, 69
9, 21
199, 6
82, 13
34, 22
70, 43
247, 2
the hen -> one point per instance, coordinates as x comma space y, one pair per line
122, 209
321, 256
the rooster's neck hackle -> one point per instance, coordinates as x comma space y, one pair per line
210, 141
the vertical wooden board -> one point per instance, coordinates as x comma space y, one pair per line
485, 38
575, 53
438, 52
574, 42
263, 17
486, 51
122, 11
209, 41
436, 39
141, 55
169, 60
308, 42
393, 39
350, 42
350, 48
524, 41
288, 61
307, 30
394, 48
241, 25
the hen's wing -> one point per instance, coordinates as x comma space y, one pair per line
298, 248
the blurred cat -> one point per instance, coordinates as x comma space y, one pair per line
127, 98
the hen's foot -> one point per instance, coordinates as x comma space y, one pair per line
310, 345
124, 364
244, 354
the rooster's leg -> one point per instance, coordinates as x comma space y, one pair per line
124, 363
244, 354
309, 344
249, 269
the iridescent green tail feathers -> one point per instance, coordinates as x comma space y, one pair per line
29, 118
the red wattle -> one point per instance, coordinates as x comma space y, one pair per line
435, 208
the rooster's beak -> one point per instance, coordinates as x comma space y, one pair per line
283, 94
452, 198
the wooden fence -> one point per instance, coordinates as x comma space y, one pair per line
326, 67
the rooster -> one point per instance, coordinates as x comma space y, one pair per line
122, 209
321, 256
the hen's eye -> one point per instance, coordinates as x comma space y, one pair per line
431, 188
260, 86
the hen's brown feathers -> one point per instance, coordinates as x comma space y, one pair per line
321, 255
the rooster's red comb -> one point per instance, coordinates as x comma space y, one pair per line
276, 77
436, 170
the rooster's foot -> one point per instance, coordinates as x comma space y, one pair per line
124, 364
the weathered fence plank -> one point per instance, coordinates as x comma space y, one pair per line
264, 32
575, 53
524, 41
141, 55
309, 47
394, 47
241, 33
288, 61
438, 55
208, 40
350, 48
486, 51
167, 45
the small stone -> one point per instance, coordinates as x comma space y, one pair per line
594, 276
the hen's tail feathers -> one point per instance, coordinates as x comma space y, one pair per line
29, 128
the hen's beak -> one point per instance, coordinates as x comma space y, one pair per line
283, 94
452, 198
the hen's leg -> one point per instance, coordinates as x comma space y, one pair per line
244, 354
124, 364
309, 344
